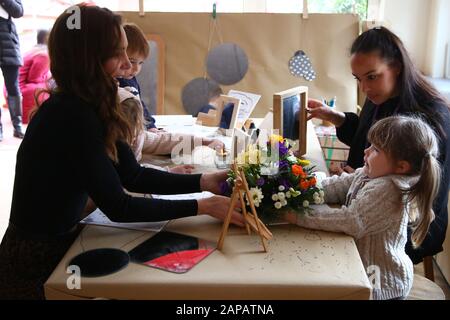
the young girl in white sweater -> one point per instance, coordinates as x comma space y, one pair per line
396, 186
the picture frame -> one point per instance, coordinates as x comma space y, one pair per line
290, 116
214, 116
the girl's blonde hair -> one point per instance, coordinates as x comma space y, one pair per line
411, 139
134, 114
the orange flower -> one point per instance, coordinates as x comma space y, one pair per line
297, 170
312, 182
304, 184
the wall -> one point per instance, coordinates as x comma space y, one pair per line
269, 40
409, 19
439, 36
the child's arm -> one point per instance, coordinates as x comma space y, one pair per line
372, 211
161, 143
336, 187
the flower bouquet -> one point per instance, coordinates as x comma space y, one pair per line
278, 180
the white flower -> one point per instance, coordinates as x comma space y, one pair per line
317, 200
281, 196
256, 195
284, 202
288, 194
275, 197
315, 195
278, 205
306, 203
281, 188
322, 194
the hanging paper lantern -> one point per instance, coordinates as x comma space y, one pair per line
196, 94
227, 63
300, 66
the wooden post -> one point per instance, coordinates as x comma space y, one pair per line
141, 8
251, 219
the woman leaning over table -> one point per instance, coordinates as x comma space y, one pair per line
75, 147
393, 85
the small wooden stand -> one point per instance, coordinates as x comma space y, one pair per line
251, 219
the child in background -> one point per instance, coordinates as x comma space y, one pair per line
137, 51
397, 185
133, 110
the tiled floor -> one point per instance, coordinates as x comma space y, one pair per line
8, 150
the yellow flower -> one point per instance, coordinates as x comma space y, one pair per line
242, 158
275, 137
304, 163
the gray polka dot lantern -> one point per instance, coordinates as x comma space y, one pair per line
300, 66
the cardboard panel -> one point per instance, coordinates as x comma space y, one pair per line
269, 41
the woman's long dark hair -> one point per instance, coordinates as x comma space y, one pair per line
77, 56
415, 92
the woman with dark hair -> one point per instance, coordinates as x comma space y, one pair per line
61, 163
393, 85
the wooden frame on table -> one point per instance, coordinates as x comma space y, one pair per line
279, 114
213, 117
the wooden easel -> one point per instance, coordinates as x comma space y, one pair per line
251, 219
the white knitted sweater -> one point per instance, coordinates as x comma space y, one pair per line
373, 213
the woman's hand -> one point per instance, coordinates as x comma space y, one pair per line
319, 110
217, 207
182, 169
211, 181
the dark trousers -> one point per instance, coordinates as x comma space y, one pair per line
11, 75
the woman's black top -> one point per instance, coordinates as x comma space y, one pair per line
62, 160
354, 133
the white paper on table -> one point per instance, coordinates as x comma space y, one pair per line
100, 219
186, 196
3, 13
248, 103
174, 120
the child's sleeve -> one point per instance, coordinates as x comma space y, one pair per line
336, 187
162, 143
372, 211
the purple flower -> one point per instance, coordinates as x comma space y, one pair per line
260, 182
283, 150
225, 188
285, 182
283, 164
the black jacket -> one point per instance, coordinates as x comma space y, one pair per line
55, 173
354, 133
9, 40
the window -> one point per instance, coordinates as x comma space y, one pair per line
270, 6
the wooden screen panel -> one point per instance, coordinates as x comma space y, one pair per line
281, 121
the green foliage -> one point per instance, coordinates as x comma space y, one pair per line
339, 6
